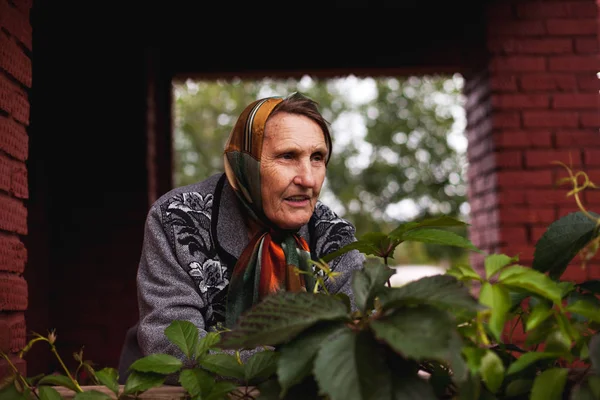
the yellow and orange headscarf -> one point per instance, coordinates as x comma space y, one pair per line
267, 263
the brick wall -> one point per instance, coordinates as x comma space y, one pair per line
536, 102
15, 83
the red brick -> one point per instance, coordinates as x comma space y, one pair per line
566, 119
509, 159
574, 63
574, 274
510, 197
13, 292
13, 99
515, 28
523, 138
516, 248
518, 63
13, 254
16, 22
590, 119
19, 185
14, 61
513, 234
548, 81
592, 197
592, 157
577, 138
546, 158
13, 336
527, 215
570, 27
524, 178
567, 209
586, 45
506, 119
544, 10
576, 100
520, 101
13, 138
19, 363
13, 215
511, 45
548, 197
503, 83
588, 82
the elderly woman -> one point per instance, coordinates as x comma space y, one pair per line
215, 248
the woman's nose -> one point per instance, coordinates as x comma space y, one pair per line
304, 175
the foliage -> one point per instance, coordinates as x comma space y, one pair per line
391, 146
432, 338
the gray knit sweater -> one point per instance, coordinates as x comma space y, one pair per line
192, 239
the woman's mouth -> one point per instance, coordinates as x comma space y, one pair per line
298, 201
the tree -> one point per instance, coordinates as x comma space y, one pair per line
393, 155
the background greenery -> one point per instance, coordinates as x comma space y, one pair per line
399, 146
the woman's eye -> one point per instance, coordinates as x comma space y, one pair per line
317, 157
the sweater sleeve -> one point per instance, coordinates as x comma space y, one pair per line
166, 292
331, 233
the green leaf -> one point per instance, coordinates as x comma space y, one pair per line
296, 359
220, 391
473, 356
196, 381
594, 383
282, 316
563, 239
526, 359
350, 367
492, 371
549, 384
223, 364
184, 334
463, 272
158, 363
557, 342
372, 243
422, 332
10, 392
205, 343
49, 393
142, 381
495, 297
442, 291
367, 283
518, 387
92, 395
58, 380
539, 313
496, 262
438, 236
532, 281
109, 378
436, 222
261, 365
586, 309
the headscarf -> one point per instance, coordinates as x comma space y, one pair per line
267, 263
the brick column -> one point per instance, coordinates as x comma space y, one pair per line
15, 82
536, 102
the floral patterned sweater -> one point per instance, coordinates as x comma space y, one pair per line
192, 239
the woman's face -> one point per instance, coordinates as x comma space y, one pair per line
292, 169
